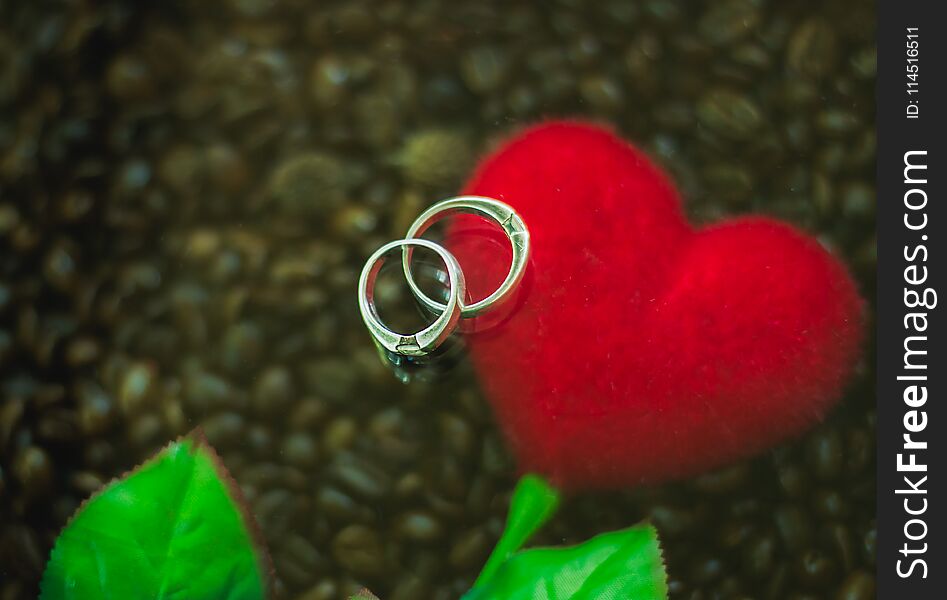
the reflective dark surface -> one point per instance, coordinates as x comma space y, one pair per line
188, 192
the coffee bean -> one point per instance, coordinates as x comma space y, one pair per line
359, 477
857, 586
300, 449
360, 550
815, 569
97, 411
824, 453
830, 504
273, 393
812, 50
729, 114
485, 68
469, 549
706, 570
759, 556
793, 480
793, 526
340, 506
418, 526
410, 587
224, 430
34, 470
324, 590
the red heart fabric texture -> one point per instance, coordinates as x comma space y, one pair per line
643, 348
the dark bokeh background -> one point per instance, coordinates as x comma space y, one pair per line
187, 193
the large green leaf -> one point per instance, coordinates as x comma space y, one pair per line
172, 529
619, 565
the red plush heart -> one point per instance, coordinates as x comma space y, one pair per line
643, 348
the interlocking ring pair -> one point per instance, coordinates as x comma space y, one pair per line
425, 342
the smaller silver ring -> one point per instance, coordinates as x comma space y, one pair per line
428, 339
511, 224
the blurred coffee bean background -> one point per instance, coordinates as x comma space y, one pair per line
188, 191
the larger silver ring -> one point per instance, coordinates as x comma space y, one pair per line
425, 341
504, 216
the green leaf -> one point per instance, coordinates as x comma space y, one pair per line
172, 529
619, 565
533, 503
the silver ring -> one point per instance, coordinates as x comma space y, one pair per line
504, 216
425, 341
